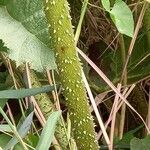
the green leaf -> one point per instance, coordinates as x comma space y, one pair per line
3, 2
128, 137
32, 140
140, 144
146, 26
3, 102
2, 47
48, 131
24, 46
5, 127
122, 18
23, 130
31, 15
106, 4
4, 139
25, 92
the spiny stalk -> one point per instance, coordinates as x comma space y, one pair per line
69, 66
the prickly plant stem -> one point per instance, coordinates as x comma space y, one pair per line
70, 71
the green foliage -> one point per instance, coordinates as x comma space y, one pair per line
31, 15
112, 63
5, 128
24, 125
106, 4
4, 139
4, 84
32, 139
3, 2
48, 131
25, 92
28, 40
47, 107
135, 64
22, 130
3, 48
127, 137
6, 81
121, 16
3, 102
27, 47
146, 25
140, 144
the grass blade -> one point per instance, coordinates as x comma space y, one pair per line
25, 92
48, 131
5, 128
22, 131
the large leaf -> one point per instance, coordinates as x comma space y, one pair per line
123, 18
31, 15
48, 131
24, 46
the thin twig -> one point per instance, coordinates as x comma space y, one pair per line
116, 100
125, 93
148, 116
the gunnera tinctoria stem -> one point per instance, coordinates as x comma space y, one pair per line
69, 66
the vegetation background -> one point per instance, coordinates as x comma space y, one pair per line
67, 73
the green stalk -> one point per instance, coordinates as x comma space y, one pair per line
124, 82
83, 10
44, 103
69, 66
